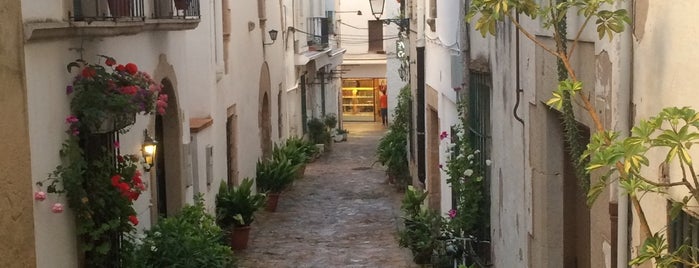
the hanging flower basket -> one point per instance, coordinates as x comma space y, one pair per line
108, 99
113, 122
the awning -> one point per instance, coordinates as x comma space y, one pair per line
332, 57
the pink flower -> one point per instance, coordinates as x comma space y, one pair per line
452, 213
75, 132
443, 135
133, 219
69, 89
71, 119
116, 144
57, 208
39, 196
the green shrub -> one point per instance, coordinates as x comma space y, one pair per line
189, 239
317, 131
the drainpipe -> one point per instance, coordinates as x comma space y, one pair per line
322, 91
623, 202
420, 96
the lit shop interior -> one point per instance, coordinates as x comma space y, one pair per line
360, 98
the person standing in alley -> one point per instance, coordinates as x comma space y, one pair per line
384, 107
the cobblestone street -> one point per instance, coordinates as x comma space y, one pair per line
341, 214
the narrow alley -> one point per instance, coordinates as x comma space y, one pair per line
341, 214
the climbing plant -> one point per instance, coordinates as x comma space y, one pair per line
672, 132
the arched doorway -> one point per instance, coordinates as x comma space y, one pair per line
265, 113
169, 186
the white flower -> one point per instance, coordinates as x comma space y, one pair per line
468, 172
470, 157
476, 151
488, 162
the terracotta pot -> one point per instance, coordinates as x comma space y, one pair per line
120, 8
300, 172
272, 200
240, 237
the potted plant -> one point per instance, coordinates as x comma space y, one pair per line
341, 135
317, 132
235, 211
273, 176
106, 99
295, 152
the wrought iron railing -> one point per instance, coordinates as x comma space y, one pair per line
91, 10
177, 9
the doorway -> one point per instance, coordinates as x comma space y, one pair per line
434, 182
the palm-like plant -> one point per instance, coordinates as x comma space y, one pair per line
275, 174
236, 206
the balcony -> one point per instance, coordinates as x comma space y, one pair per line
104, 18
318, 34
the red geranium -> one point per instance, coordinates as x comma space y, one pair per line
110, 61
88, 72
131, 68
133, 219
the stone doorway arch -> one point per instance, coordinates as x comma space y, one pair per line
265, 112
167, 181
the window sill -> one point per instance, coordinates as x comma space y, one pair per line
35, 31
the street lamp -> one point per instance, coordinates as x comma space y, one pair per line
148, 150
377, 8
377, 11
273, 36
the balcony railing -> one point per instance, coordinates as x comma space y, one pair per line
318, 29
177, 9
89, 10
133, 10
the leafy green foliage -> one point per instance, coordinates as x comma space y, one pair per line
275, 174
466, 174
392, 150
236, 206
421, 232
190, 239
307, 148
412, 201
317, 131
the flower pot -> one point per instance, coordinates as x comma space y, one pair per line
272, 200
422, 257
120, 8
182, 4
300, 171
240, 237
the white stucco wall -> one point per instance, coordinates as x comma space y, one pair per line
663, 77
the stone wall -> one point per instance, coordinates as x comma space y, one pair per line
16, 220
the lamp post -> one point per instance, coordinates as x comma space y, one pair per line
148, 150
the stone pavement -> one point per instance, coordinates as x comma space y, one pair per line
341, 214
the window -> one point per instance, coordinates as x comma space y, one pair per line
683, 230
376, 36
